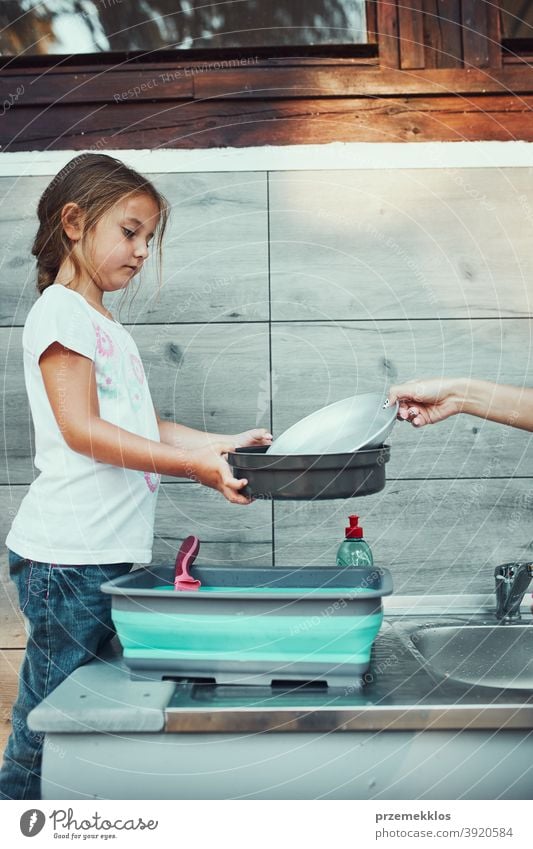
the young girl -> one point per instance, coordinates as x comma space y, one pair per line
100, 446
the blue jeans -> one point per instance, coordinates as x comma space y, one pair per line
69, 624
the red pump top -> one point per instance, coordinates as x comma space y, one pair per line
354, 531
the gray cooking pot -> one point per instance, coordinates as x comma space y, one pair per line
308, 477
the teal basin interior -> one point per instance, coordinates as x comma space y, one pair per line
245, 636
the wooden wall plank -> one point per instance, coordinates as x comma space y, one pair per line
371, 21
343, 358
18, 225
329, 78
411, 28
229, 249
473, 126
350, 358
229, 534
227, 553
215, 252
436, 243
388, 45
494, 34
10, 662
227, 123
417, 529
475, 34
12, 628
276, 83
211, 377
443, 34
215, 261
95, 63
432, 35
182, 509
100, 86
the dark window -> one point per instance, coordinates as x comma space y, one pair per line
65, 27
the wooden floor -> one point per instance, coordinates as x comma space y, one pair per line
10, 660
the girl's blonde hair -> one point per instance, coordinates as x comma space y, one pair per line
96, 182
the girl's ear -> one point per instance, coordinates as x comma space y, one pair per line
72, 221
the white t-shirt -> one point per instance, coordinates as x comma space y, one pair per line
80, 511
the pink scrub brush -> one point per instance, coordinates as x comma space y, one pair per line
183, 581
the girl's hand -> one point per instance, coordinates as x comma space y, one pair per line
424, 402
249, 438
210, 467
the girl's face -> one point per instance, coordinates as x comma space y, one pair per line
119, 244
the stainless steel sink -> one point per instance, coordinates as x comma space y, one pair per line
490, 655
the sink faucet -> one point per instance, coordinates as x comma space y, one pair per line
512, 581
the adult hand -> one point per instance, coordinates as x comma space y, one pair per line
424, 402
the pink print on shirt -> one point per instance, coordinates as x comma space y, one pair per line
137, 368
104, 343
135, 381
106, 375
152, 480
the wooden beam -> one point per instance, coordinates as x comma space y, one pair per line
275, 83
231, 123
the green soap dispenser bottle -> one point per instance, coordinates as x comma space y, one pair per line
354, 551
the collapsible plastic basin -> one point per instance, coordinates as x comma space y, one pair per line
250, 626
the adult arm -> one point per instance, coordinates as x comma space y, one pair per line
429, 401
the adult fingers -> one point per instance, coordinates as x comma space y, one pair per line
401, 391
406, 411
412, 390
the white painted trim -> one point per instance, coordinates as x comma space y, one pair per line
317, 157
